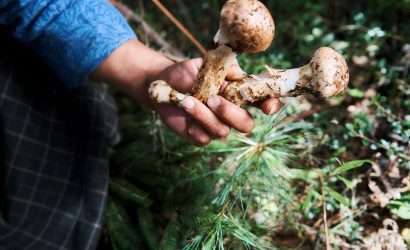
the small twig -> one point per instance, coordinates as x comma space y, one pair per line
327, 236
141, 8
148, 30
180, 26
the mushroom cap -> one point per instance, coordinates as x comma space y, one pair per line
246, 26
330, 72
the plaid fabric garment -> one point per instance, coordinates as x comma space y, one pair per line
54, 163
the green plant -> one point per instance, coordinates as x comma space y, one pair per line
251, 192
255, 168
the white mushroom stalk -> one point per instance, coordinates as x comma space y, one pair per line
325, 75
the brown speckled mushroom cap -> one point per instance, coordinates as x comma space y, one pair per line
246, 26
330, 72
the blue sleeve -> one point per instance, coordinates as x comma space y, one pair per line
72, 36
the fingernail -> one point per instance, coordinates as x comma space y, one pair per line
200, 136
191, 131
188, 103
225, 132
275, 107
271, 109
241, 72
213, 102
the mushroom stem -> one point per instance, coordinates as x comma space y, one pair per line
325, 75
272, 83
213, 72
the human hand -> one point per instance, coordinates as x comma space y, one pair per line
200, 123
133, 65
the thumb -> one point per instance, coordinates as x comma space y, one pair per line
183, 75
235, 71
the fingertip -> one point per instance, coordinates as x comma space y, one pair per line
188, 104
249, 126
213, 103
204, 116
224, 132
198, 135
203, 142
182, 76
196, 62
235, 72
271, 106
231, 114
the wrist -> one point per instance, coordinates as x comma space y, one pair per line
131, 68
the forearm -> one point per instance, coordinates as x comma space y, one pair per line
131, 68
72, 37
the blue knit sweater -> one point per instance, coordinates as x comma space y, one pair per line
72, 36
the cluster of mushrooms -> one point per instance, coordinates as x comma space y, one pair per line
246, 26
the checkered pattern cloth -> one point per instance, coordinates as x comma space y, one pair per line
53, 153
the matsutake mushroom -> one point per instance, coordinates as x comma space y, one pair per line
247, 26
325, 75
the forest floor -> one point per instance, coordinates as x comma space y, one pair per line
327, 174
